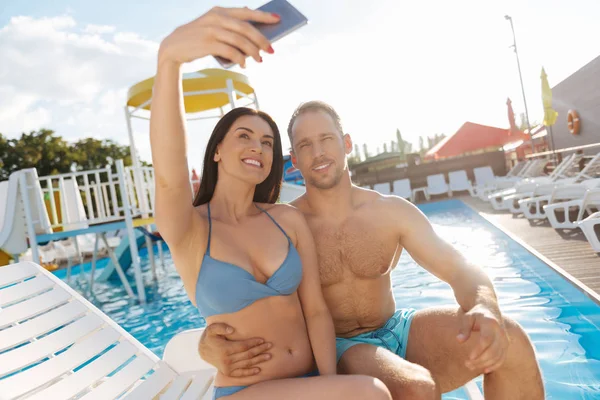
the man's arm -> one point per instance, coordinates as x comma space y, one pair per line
232, 358
469, 282
472, 288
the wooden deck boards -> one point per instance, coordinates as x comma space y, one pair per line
569, 250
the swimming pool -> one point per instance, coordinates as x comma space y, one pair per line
563, 323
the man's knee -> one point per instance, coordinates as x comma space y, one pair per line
418, 385
520, 348
367, 387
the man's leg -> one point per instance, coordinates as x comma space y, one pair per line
405, 380
432, 344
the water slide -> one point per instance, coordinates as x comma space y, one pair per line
12, 217
123, 255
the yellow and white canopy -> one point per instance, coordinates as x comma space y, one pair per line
203, 90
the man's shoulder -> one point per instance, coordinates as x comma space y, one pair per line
299, 203
376, 201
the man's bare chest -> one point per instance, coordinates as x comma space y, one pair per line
357, 247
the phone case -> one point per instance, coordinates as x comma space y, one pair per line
291, 20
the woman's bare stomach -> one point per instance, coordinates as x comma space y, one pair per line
278, 320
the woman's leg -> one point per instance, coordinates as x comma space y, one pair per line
343, 387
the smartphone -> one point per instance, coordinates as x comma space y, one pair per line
291, 20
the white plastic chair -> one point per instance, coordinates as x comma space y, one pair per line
402, 189
484, 177
551, 195
589, 203
588, 226
54, 344
459, 182
511, 198
383, 188
436, 185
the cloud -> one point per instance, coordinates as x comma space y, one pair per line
99, 29
56, 75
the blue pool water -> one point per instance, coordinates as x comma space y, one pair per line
563, 323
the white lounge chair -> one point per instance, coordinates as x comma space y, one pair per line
588, 226
526, 170
402, 189
484, 177
459, 182
54, 344
509, 199
383, 188
544, 195
589, 203
436, 185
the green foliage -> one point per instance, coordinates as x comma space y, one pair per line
50, 154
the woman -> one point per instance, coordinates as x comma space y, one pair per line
244, 260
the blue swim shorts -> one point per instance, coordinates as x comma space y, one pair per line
229, 390
392, 336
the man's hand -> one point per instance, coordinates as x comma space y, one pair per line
232, 358
490, 352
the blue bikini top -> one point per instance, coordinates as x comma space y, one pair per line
224, 288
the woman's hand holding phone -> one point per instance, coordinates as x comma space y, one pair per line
221, 32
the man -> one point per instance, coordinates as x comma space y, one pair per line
360, 235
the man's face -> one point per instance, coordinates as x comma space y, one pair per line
319, 149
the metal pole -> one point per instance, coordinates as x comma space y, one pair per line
231, 93
553, 148
514, 45
133, 248
132, 150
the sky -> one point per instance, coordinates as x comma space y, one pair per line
423, 67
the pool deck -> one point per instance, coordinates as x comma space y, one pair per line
567, 249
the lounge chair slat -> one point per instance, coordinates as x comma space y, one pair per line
22, 357
120, 382
200, 385
22, 291
154, 384
177, 388
35, 327
89, 375
13, 273
48, 371
32, 307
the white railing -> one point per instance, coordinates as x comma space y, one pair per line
140, 190
85, 198
76, 200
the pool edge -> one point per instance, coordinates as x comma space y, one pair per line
574, 281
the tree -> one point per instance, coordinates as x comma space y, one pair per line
365, 151
435, 139
393, 146
385, 147
42, 150
51, 154
401, 145
4, 152
356, 153
92, 153
523, 123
